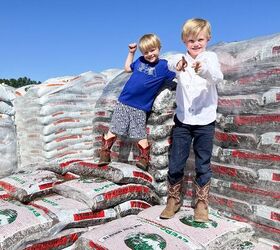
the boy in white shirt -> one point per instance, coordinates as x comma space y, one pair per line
196, 98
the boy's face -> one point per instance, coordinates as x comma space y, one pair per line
196, 45
151, 55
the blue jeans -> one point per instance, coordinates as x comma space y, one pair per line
182, 137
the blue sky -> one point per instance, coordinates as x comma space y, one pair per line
42, 39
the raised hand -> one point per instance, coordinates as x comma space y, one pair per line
196, 66
182, 64
132, 47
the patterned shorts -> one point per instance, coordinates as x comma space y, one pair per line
128, 121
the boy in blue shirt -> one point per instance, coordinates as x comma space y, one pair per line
136, 99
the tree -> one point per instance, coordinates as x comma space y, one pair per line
22, 81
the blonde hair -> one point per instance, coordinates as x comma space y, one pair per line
194, 26
149, 41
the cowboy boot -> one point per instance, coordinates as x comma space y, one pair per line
201, 202
105, 151
144, 157
174, 201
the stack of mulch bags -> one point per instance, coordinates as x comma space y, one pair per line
246, 156
54, 119
41, 208
60, 194
46, 200
8, 144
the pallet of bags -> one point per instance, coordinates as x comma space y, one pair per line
246, 153
61, 112
8, 146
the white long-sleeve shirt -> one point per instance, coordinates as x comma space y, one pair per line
196, 94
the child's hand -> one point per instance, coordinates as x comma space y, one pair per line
182, 64
132, 47
197, 67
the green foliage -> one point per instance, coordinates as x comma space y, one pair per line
16, 83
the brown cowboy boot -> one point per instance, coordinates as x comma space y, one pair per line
174, 201
201, 202
105, 151
144, 157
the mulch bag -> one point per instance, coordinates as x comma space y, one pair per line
20, 224
252, 158
266, 142
165, 100
133, 232
131, 207
159, 161
159, 174
155, 119
243, 174
59, 241
160, 131
257, 78
252, 194
116, 172
218, 233
7, 93
260, 123
72, 213
26, 185
251, 103
160, 147
123, 173
100, 194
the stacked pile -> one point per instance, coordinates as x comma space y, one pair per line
41, 206
8, 145
246, 157
54, 119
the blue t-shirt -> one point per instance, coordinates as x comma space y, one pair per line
143, 85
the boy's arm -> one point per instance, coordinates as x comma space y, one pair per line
174, 61
209, 68
132, 48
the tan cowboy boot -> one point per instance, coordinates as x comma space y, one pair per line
105, 151
144, 157
201, 202
174, 201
